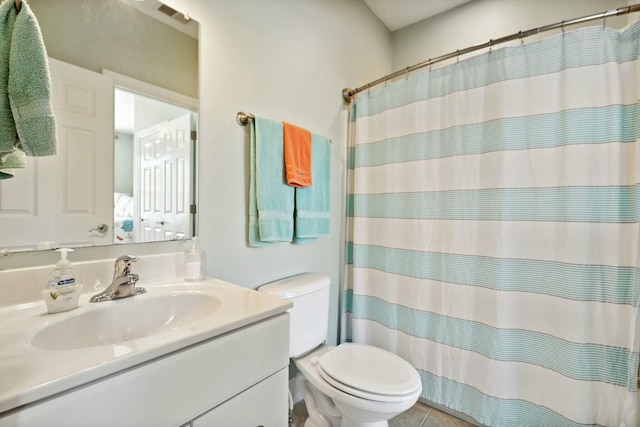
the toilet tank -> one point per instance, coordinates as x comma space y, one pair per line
309, 293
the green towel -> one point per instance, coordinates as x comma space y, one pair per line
14, 160
8, 133
312, 217
271, 200
25, 87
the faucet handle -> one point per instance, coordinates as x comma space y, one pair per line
123, 265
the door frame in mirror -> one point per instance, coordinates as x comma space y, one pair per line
145, 89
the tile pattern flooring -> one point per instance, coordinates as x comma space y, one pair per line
420, 415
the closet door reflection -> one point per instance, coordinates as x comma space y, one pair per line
163, 186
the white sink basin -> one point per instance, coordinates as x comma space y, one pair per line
43, 354
124, 320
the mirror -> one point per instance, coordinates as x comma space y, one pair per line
124, 90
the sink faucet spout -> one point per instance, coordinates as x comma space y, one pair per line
124, 281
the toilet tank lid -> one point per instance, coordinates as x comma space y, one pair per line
296, 285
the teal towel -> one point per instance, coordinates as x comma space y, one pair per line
24, 75
254, 232
312, 217
271, 218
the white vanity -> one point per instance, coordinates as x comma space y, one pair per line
199, 354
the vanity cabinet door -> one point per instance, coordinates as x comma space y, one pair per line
260, 405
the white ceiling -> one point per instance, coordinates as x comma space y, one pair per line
397, 14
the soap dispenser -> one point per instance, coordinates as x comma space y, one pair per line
194, 262
63, 286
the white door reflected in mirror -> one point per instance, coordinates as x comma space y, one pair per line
162, 190
53, 201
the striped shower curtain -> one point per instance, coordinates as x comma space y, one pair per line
493, 229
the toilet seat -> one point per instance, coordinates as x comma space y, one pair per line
369, 372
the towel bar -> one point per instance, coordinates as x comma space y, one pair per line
243, 118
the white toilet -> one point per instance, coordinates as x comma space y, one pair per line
349, 385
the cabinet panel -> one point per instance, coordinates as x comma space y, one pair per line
264, 404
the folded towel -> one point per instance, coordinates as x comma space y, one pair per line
271, 218
312, 218
14, 160
297, 155
25, 74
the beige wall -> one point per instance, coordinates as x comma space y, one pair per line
288, 60
479, 21
97, 34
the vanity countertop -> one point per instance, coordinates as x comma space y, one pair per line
30, 371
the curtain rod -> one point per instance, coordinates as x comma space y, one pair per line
348, 94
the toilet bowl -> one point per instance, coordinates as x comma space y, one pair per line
349, 385
364, 392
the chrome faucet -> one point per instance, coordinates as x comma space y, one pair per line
124, 281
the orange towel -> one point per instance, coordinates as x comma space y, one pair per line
297, 155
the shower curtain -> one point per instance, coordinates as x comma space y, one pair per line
493, 229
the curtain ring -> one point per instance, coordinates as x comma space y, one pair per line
457, 55
521, 38
604, 22
430, 64
406, 73
490, 45
562, 26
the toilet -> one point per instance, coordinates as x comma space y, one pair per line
349, 385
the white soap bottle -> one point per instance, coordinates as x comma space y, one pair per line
63, 286
194, 262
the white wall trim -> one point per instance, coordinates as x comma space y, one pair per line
144, 88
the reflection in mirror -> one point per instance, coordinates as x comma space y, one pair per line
102, 52
152, 185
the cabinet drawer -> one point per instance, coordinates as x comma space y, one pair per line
265, 404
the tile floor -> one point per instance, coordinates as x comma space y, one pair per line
419, 415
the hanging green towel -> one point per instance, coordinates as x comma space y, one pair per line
271, 200
8, 133
26, 114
